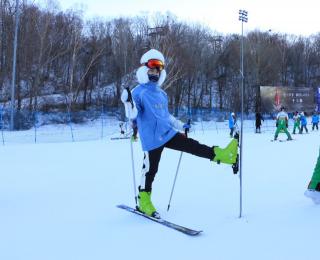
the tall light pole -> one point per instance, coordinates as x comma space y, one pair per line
243, 17
14, 62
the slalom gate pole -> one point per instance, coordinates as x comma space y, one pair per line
177, 171
240, 162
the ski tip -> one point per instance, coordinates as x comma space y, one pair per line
195, 233
121, 206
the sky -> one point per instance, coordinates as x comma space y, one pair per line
292, 17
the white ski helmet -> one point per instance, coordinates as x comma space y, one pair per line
142, 72
151, 55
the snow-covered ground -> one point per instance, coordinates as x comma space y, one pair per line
58, 200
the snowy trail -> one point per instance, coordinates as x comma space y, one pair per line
58, 201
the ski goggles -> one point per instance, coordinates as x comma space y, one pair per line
155, 64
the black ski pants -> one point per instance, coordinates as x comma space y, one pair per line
180, 143
303, 127
232, 131
258, 129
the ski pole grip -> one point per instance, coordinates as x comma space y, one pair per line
129, 96
187, 129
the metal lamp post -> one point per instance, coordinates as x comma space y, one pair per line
13, 82
243, 17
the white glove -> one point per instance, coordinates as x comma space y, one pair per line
124, 96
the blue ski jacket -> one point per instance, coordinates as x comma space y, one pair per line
154, 120
315, 119
231, 121
303, 120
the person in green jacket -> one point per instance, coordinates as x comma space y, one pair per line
313, 191
296, 121
282, 124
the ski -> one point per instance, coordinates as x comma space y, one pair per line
313, 195
185, 230
281, 141
120, 138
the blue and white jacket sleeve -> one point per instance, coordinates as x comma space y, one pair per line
129, 106
177, 124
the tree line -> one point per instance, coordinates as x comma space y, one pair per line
66, 62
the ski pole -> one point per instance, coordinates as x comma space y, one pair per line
131, 149
133, 172
175, 177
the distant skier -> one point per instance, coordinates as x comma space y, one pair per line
282, 124
296, 122
134, 137
313, 190
121, 129
259, 118
158, 129
304, 122
315, 120
232, 123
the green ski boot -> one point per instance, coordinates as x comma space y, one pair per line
145, 204
227, 155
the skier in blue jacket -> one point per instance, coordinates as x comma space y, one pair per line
232, 123
315, 120
158, 129
304, 122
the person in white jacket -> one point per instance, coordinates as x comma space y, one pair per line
282, 124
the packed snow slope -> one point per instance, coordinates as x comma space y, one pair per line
58, 201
